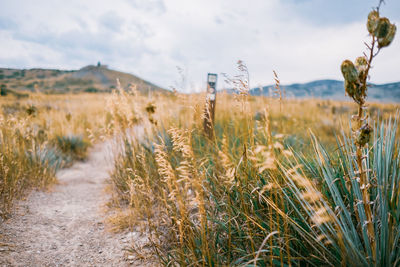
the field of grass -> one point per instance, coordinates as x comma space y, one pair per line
278, 181
274, 186
42, 133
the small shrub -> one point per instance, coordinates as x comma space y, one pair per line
91, 90
72, 147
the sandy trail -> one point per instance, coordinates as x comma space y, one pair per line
65, 227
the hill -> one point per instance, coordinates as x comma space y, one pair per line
332, 89
87, 79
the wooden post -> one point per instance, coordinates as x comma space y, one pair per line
210, 105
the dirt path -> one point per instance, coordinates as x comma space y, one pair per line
65, 227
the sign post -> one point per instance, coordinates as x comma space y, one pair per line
210, 105
3, 90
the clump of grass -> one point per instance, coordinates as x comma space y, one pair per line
25, 161
39, 135
72, 147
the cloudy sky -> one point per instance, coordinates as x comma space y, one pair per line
302, 40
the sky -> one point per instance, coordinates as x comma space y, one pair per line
175, 43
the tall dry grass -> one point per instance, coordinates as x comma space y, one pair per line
265, 190
41, 134
246, 197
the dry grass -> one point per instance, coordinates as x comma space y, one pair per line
220, 202
40, 134
254, 194
281, 182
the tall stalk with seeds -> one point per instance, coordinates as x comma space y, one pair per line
356, 74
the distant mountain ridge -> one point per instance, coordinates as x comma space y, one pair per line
332, 89
99, 78
87, 79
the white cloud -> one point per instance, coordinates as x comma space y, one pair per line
151, 38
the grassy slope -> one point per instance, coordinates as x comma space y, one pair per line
87, 79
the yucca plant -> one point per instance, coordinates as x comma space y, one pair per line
382, 33
332, 218
352, 217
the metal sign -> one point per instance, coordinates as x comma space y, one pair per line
211, 86
210, 104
